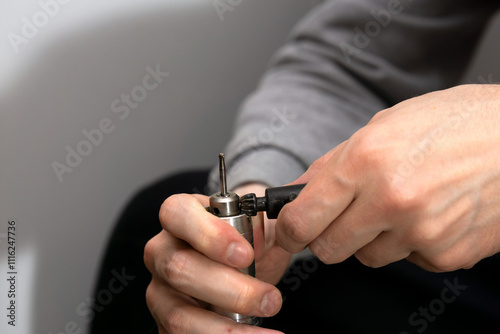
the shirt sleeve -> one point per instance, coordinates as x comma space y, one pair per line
345, 61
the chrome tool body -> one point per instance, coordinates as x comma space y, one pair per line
228, 207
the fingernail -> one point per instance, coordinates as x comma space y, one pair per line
237, 254
271, 303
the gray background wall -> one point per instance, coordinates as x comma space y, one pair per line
64, 80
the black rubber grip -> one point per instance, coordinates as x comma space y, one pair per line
277, 197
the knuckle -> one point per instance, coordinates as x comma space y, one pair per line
402, 198
378, 115
152, 300
369, 149
425, 235
149, 251
295, 228
368, 260
458, 256
242, 299
150, 296
177, 320
470, 263
177, 267
324, 255
324, 251
443, 263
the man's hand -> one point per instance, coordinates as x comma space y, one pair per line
421, 181
193, 262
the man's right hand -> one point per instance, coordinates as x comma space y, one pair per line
194, 262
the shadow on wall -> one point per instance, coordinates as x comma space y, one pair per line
67, 89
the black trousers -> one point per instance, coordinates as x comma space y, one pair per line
343, 298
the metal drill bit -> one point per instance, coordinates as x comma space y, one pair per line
222, 175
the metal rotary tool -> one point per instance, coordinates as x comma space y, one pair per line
228, 207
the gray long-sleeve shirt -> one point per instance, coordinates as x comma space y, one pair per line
345, 61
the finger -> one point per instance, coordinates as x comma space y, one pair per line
342, 238
355, 228
152, 249
271, 268
386, 248
192, 273
186, 218
263, 234
322, 200
176, 313
463, 254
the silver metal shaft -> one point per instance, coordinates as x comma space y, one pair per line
222, 175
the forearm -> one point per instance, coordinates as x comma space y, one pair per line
325, 84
